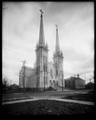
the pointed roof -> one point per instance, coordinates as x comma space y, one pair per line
58, 52
57, 40
41, 33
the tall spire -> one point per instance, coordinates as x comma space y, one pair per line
41, 34
57, 40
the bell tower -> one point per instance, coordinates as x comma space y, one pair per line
58, 62
41, 57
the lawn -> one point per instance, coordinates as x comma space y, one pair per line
84, 97
69, 94
46, 107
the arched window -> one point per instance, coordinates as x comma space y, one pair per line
56, 72
46, 80
50, 82
57, 83
51, 73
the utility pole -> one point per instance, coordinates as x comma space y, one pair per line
85, 77
62, 81
24, 73
44, 77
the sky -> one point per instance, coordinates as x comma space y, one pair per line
20, 34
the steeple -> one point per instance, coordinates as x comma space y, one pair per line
57, 40
41, 34
58, 61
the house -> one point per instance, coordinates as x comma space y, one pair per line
75, 83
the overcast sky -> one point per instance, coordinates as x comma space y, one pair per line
20, 31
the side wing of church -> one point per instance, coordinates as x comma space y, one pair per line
45, 74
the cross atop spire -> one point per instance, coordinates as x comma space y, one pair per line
41, 11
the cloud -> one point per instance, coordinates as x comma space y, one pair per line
20, 30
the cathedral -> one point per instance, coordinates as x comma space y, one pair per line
44, 74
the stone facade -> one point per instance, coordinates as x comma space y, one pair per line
27, 77
45, 74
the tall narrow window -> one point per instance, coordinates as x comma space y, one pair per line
51, 73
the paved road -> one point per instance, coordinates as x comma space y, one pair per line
51, 98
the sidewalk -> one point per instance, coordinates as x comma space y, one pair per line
51, 98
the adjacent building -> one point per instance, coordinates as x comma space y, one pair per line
75, 83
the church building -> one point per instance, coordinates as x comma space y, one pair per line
44, 74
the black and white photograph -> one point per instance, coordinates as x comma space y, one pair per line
48, 58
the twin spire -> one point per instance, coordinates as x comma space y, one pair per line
41, 34
57, 40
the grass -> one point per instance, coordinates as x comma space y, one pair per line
84, 97
45, 107
89, 96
